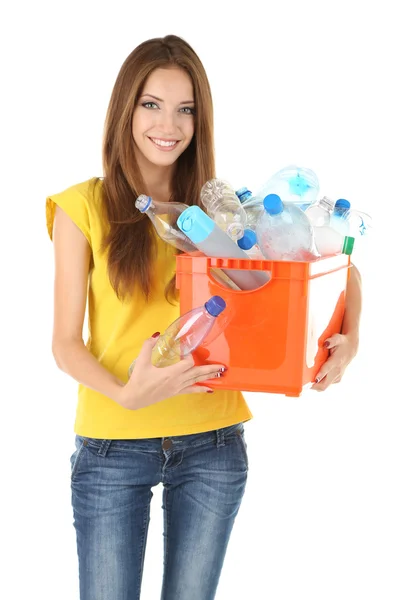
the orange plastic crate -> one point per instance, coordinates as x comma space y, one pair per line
271, 339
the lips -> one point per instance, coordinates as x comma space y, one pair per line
164, 145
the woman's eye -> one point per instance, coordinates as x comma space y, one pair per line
150, 105
188, 110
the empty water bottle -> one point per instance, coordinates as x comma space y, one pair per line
164, 217
249, 244
349, 221
253, 206
329, 241
224, 207
213, 241
338, 219
185, 334
319, 213
284, 232
293, 184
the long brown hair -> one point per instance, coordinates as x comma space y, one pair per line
129, 241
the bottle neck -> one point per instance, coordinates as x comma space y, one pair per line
327, 203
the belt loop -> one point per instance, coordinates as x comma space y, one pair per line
220, 438
104, 447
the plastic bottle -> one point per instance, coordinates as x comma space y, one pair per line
164, 216
329, 241
349, 221
185, 334
253, 206
224, 207
293, 184
284, 232
338, 219
213, 241
248, 243
319, 213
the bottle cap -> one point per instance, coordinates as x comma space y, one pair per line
343, 204
248, 240
273, 204
215, 305
348, 244
243, 194
195, 223
143, 202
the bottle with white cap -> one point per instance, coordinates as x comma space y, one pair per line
163, 216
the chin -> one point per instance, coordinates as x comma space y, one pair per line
163, 161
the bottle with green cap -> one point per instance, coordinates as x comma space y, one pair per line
329, 241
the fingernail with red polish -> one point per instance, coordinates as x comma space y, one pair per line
326, 344
155, 335
317, 380
209, 391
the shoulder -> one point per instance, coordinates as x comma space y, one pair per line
81, 201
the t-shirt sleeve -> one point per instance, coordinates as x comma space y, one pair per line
75, 204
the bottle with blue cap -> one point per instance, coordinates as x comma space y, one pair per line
212, 241
185, 334
248, 243
163, 216
338, 219
349, 221
223, 206
284, 232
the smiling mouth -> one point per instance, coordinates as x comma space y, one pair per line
165, 145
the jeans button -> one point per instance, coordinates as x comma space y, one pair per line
167, 444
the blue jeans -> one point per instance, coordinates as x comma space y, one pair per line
203, 476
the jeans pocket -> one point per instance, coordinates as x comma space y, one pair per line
81, 443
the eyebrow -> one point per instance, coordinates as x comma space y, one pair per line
160, 99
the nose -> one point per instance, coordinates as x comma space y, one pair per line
167, 122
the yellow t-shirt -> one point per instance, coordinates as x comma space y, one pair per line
116, 332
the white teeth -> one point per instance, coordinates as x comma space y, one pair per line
163, 143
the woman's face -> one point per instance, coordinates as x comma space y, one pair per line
163, 120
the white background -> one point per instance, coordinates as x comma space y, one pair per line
312, 83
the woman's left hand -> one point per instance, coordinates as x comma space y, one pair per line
342, 349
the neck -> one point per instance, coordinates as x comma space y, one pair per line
158, 180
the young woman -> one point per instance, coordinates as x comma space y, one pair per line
158, 426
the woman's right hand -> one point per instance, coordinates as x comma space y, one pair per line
148, 384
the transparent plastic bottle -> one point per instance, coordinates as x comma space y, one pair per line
248, 243
284, 232
213, 241
185, 334
319, 213
253, 206
164, 216
293, 184
329, 241
349, 221
224, 207
338, 219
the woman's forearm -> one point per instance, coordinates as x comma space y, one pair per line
353, 305
74, 358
